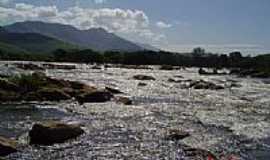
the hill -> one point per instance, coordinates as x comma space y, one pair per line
96, 38
31, 42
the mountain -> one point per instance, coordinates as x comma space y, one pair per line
96, 38
31, 42
148, 47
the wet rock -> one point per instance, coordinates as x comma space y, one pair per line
47, 94
7, 146
97, 96
140, 84
205, 85
53, 132
166, 67
174, 80
96, 67
59, 66
28, 66
113, 90
8, 96
143, 77
8, 86
124, 100
175, 135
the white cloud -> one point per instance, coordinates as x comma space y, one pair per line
100, 1
116, 20
4, 2
163, 25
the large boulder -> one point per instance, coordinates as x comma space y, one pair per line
143, 77
53, 132
95, 96
7, 146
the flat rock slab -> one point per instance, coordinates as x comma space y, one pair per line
53, 132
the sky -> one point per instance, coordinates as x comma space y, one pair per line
219, 26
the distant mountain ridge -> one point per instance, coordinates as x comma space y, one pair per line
96, 38
31, 42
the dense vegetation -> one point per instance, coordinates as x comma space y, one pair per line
197, 58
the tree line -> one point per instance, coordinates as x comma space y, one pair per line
197, 58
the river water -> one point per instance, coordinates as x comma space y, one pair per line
233, 121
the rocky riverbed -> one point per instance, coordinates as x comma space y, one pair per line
173, 114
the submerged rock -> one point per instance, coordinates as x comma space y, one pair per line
175, 135
53, 132
96, 96
142, 84
143, 77
124, 100
7, 146
47, 94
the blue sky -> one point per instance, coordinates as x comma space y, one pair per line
177, 25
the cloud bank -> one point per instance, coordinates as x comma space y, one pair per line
116, 20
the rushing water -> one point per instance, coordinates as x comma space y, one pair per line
233, 121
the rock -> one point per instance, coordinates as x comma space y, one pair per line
28, 66
59, 66
113, 90
96, 67
7, 146
166, 67
175, 135
47, 94
205, 85
140, 84
174, 80
97, 96
143, 77
8, 86
8, 96
124, 100
53, 132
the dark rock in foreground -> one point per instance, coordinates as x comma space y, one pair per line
53, 132
143, 77
7, 146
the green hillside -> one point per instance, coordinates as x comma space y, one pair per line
31, 42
